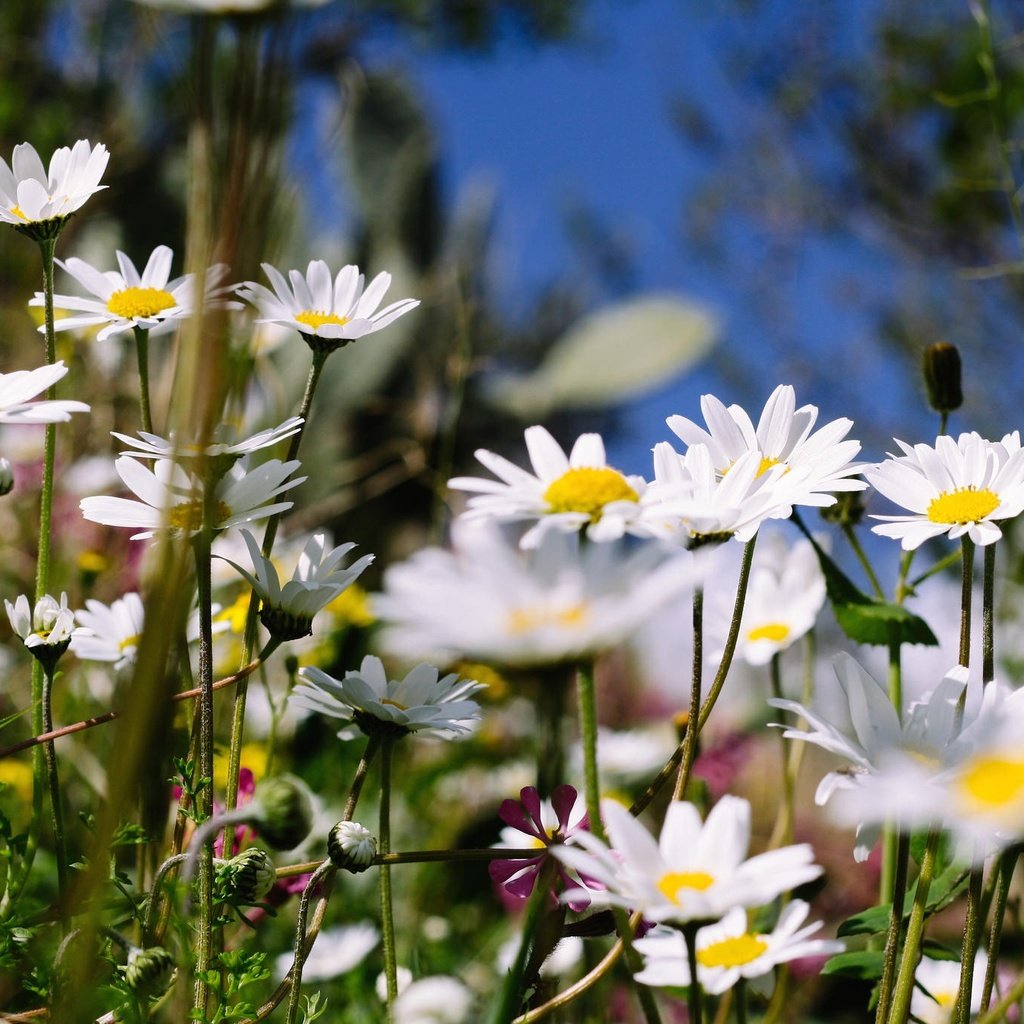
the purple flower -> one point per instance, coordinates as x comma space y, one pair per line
533, 822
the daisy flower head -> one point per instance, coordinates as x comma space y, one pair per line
487, 600
173, 499
18, 388
691, 503
46, 628
32, 195
728, 951
327, 312
125, 299
694, 871
956, 488
288, 610
423, 701
110, 632
564, 492
937, 986
531, 821
816, 462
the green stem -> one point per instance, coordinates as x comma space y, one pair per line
696, 684
46, 249
969, 949
142, 352
887, 878
915, 932
1007, 864
966, 590
386, 911
56, 811
854, 541
740, 998
695, 993
988, 647
301, 952
782, 834
252, 620
586, 697
550, 706
892, 938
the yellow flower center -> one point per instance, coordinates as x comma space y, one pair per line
993, 781
945, 999
19, 212
525, 620
188, 515
130, 641
674, 882
774, 631
964, 505
766, 463
588, 489
139, 302
92, 562
314, 318
394, 703
734, 952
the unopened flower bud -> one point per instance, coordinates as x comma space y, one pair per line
285, 812
148, 971
247, 877
941, 368
848, 509
6, 477
351, 846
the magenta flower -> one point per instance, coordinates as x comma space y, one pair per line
543, 824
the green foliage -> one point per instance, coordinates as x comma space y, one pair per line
865, 964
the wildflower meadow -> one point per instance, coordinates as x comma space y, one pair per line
337, 688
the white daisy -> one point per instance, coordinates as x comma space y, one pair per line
937, 986
30, 193
816, 463
421, 702
110, 632
49, 624
959, 487
564, 492
337, 951
728, 950
437, 999
172, 499
690, 502
486, 600
20, 386
317, 580
693, 872
151, 446
328, 313
125, 299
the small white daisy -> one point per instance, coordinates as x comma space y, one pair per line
937, 986
728, 950
30, 192
437, 999
173, 499
287, 611
49, 624
337, 951
694, 871
816, 463
110, 632
20, 386
151, 446
958, 487
327, 312
564, 492
125, 299
422, 702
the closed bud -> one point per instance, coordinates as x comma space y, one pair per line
6, 477
941, 368
285, 813
351, 846
148, 971
247, 877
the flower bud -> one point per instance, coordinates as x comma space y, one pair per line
285, 812
6, 477
351, 846
148, 971
941, 368
247, 877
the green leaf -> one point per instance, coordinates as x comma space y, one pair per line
873, 921
939, 950
865, 964
947, 887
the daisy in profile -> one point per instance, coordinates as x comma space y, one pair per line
110, 632
151, 446
487, 600
45, 627
564, 492
423, 701
172, 499
728, 951
18, 388
817, 462
956, 488
327, 312
694, 871
31, 193
125, 299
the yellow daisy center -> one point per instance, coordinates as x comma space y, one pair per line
140, 302
964, 505
766, 463
314, 318
734, 952
19, 212
588, 489
993, 781
945, 999
674, 882
188, 515
130, 641
525, 620
774, 631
